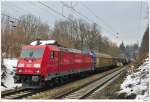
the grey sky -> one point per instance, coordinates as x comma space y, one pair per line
122, 17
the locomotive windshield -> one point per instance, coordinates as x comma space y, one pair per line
35, 53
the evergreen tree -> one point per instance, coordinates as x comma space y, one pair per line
122, 47
145, 42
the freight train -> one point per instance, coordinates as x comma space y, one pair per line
42, 62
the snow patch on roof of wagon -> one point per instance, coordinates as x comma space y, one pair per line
43, 42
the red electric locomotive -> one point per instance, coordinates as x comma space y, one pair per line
43, 61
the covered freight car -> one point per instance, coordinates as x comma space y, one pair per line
103, 61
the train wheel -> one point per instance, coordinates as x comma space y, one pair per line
61, 81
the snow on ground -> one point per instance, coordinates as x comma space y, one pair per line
138, 82
9, 81
9, 63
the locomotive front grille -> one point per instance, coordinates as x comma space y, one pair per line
35, 78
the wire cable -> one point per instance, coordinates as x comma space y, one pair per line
106, 24
9, 16
85, 17
58, 13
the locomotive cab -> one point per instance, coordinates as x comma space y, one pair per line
31, 58
29, 64
35, 62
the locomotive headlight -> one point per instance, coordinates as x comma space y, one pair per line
37, 71
20, 65
19, 70
37, 65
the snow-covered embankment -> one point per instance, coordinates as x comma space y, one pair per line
8, 81
137, 83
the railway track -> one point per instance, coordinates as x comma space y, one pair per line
79, 89
88, 89
7, 92
19, 93
16, 94
68, 89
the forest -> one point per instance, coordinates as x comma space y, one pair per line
72, 33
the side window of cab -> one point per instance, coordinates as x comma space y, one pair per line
52, 55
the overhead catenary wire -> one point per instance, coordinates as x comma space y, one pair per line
6, 15
76, 11
17, 19
12, 7
99, 18
10, 16
62, 14
17, 9
58, 13
86, 17
54, 10
21, 10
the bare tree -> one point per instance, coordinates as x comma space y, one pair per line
28, 28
